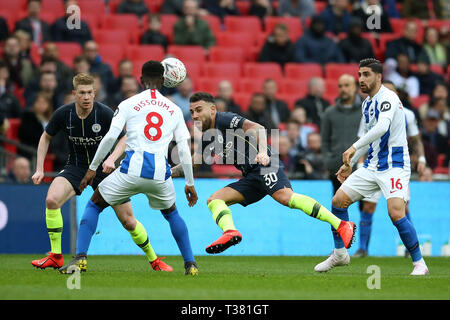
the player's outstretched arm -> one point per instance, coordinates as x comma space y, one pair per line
259, 132
186, 163
417, 146
44, 142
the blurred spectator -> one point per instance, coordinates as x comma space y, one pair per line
257, 111
427, 78
137, 7
314, 103
442, 106
190, 29
305, 128
260, 8
309, 163
225, 92
181, 98
440, 91
47, 65
296, 8
315, 46
4, 124
278, 47
125, 70
336, 16
366, 11
48, 85
293, 133
339, 126
20, 69
128, 88
399, 72
153, 34
406, 44
81, 64
172, 7
391, 8
434, 142
425, 10
38, 29
21, 171
63, 71
221, 105
284, 147
33, 123
435, 50
9, 104
4, 30
97, 65
222, 8
68, 98
101, 94
24, 44
354, 47
277, 109
62, 33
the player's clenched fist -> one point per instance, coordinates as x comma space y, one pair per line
348, 155
37, 177
262, 158
343, 173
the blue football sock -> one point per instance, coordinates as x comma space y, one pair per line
341, 213
88, 225
365, 229
180, 233
408, 216
409, 238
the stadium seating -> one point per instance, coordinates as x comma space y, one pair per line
67, 51
239, 23
294, 24
335, 70
302, 71
417, 102
55, 6
214, 24
187, 53
243, 100
91, 7
224, 170
111, 36
210, 84
225, 54
249, 85
142, 52
263, 70
294, 87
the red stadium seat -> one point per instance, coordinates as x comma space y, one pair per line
127, 22
187, 53
142, 52
111, 36
91, 7
243, 100
214, 23
224, 69
93, 20
236, 39
13, 6
67, 51
239, 23
320, 6
154, 6
419, 101
243, 7
55, 6
398, 25
294, 87
434, 68
302, 70
111, 53
210, 84
293, 23
167, 23
335, 70
249, 85
194, 70
137, 68
225, 54
438, 24
268, 70
225, 170
12, 133
10, 17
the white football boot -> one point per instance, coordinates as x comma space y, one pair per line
420, 268
334, 260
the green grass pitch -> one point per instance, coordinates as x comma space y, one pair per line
225, 277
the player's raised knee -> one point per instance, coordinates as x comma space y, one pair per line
339, 200
52, 202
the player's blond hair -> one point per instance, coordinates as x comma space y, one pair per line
82, 79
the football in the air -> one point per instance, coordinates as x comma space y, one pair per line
174, 72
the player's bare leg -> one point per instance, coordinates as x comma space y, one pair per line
218, 203
396, 209
59, 192
339, 256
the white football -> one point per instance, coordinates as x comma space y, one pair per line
174, 72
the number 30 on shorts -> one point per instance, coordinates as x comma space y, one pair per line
156, 126
396, 184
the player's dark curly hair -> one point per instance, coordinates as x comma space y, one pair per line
152, 69
373, 64
202, 96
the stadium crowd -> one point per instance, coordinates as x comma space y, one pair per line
279, 63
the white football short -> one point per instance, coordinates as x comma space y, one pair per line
118, 186
367, 184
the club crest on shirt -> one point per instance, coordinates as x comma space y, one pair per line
96, 127
385, 106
